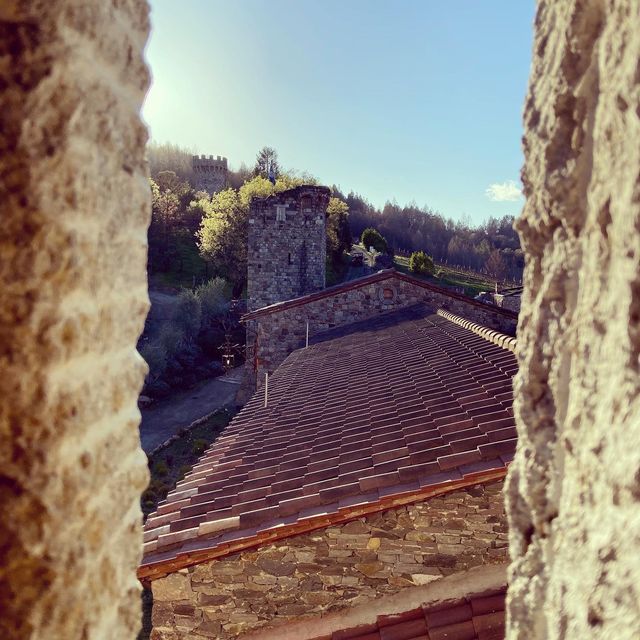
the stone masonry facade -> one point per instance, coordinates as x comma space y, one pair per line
210, 173
274, 335
286, 251
333, 568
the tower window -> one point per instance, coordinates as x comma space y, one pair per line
281, 215
290, 262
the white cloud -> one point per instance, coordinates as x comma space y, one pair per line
504, 191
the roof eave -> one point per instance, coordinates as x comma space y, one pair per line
155, 570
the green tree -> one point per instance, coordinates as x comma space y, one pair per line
165, 207
266, 156
168, 180
495, 266
188, 315
222, 237
420, 262
213, 300
338, 234
170, 157
373, 238
238, 177
259, 187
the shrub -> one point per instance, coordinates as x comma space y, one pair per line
213, 300
158, 487
199, 446
149, 496
160, 468
184, 469
157, 389
372, 238
188, 314
420, 262
155, 355
171, 339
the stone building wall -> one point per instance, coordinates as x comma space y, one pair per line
574, 488
333, 568
287, 250
277, 333
210, 173
74, 206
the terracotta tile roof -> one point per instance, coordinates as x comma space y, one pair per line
369, 416
476, 617
379, 276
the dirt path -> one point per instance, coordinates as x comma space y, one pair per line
167, 417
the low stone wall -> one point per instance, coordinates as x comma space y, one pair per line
274, 335
512, 303
333, 568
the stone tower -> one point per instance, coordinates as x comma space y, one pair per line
210, 173
287, 245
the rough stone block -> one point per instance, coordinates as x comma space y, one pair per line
393, 554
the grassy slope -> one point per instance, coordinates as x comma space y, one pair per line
172, 463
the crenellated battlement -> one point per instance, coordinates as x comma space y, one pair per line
211, 172
209, 161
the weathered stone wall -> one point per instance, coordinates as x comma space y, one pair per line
278, 333
286, 257
210, 173
574, 489
512, 303
333, 568
74, 206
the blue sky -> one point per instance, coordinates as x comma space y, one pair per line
412, 100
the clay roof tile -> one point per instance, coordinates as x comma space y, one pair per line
399, 405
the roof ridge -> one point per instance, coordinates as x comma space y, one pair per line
491, 335
378, 276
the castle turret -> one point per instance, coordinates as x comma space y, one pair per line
210, 173
287, 245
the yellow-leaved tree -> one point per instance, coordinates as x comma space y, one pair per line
222, 237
